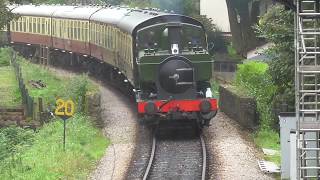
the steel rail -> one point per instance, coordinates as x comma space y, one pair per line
153, 151
204, 158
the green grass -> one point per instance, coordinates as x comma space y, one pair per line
269, 139
45, 158
9, 88
56, 85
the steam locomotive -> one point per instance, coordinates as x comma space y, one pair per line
162, 56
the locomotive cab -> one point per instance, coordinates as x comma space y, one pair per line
175, 69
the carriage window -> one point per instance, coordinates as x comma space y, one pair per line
38, 25
16, 25
43, 24
34, 24
74, 30
20, 24
24, 24
48, 26
59, 28
70, 29
86, 32
79, 30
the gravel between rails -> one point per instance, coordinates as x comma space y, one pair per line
231, 154
177, 159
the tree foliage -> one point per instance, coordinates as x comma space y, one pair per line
5, 14
216, 42
187, 7
277, 28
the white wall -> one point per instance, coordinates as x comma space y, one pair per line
217, 10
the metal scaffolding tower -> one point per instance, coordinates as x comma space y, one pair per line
307, 40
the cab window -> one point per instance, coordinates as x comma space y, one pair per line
155, 37
193, 36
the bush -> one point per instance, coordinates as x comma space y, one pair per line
77, 90
13, 141
254, 78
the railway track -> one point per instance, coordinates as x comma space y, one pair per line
177, 155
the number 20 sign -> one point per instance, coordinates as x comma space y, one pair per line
64, 108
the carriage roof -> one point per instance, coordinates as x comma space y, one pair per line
127, 19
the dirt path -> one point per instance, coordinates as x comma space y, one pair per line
232, 155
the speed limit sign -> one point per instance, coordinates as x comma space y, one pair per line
65, 110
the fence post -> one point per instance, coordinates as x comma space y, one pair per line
40, 105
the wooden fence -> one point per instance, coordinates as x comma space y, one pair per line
34, 107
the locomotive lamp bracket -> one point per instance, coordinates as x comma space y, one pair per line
174, 48
190, 46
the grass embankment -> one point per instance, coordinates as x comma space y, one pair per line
9, 88
268, 138
56, 85
253, 79
40, 155
25, 154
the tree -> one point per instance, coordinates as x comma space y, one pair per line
216, 42
277, 27
5, 14
138, 3
288, 4
242, 16
186, 7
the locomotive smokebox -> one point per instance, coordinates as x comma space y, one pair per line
176, 78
